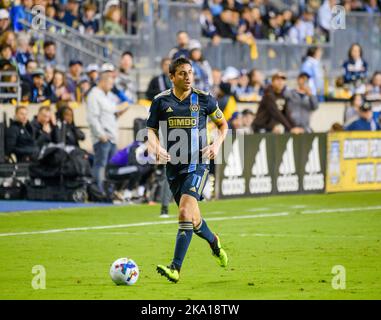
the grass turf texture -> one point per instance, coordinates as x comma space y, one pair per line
278, 257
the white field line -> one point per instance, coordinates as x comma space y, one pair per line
341, 210
141, 224
270, 235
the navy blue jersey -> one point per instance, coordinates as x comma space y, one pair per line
169, 114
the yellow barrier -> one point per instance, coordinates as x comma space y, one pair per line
353, 161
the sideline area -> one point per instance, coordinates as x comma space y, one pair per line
17, 205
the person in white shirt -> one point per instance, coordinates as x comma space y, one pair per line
102, 114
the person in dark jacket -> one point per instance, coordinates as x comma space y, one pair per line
273, 112
355, 67
39, 90
19, 137
302, 102
160, 83
43, 126
66, 131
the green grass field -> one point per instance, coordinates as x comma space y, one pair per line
279, 248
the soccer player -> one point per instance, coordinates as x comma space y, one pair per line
186, 109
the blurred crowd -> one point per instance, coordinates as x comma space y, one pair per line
305, 21
275, 103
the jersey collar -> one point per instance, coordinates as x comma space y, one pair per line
177, 99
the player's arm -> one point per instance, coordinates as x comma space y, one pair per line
154, 146
219, 120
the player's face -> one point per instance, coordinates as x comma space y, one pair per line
183, 78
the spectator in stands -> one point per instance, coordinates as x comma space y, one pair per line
89, 22
202, 70
181, 50
226, 92
227, 24
48, 74
208, 28
19, 12
19, 137
102, 119
5, 23
287, 16
303, 30
366, 122
92, 72
85, 85
351, 112
43, 126
258, 28
325, 16
71, 17
161, 82
248, 117
58, 88
126, 80
39, 90
112, 25
65, 130
24, 52
215, 6
9, 38
273, 113
49, 57
217, 79
355, 68
256, 85
302, 103
73, 77
6, 56
275, 24
373, 89
235, 122
30, 67
242, 91
312, 66
371, 6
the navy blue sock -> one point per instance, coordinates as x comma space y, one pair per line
183, 239
203, 231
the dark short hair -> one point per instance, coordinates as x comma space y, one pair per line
247, 112
176, 63
49, 43
129, 53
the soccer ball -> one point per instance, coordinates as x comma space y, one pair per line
124, 271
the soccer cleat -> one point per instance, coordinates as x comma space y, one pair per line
170, 273
219, 253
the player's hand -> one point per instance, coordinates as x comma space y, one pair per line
162, 156
210, 151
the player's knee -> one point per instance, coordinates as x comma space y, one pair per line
184, 213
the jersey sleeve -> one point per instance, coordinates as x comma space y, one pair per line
153, 115
213, 110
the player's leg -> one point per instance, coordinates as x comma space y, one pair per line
183, 238
203, 231
200, 226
